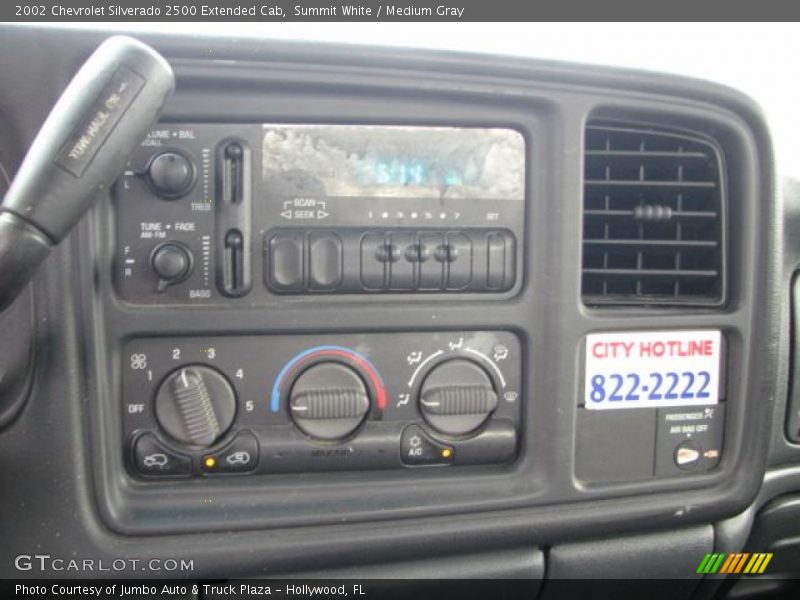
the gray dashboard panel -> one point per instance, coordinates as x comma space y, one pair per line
82, 325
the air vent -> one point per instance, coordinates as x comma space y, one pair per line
653, 218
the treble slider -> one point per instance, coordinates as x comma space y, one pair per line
234, 220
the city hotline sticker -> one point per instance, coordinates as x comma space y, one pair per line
652, 368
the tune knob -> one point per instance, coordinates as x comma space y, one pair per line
172, 263
195, 405
170, 175
328, 401
457, 397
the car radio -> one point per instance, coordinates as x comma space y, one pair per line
211, 212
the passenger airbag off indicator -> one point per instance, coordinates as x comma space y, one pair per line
652, 368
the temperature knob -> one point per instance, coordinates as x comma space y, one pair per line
328, 401
457, 397
195, 405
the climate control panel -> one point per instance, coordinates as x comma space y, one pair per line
290, 404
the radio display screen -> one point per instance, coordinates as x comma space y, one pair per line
394, 162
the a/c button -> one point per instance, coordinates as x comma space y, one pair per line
417, 449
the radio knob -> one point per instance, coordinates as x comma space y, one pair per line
172, 263
457, 397
170, 175
195, 405
328, 401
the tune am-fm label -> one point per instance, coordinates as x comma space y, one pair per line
652, 368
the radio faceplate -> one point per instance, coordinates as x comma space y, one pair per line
198, 208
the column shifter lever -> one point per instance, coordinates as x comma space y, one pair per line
98, 121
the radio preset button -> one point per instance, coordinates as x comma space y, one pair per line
500, 260
286, 261
373, 261
459, 260
401, 271
325, 261
431, 271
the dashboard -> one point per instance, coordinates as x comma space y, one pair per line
390, 314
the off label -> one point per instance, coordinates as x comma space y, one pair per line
652, 368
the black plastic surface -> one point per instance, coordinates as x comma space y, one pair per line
17, 356
793, 404
517, 563
22, 249
777, 529
672, 555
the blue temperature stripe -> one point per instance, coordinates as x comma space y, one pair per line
275, 398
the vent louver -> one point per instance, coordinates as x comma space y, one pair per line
653, 218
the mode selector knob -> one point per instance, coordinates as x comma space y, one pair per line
170, 175
195, 405
457, 397
328, 401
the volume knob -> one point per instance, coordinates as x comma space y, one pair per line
170, 175
195, 405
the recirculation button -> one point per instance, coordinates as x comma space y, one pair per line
240, 456
153, 459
